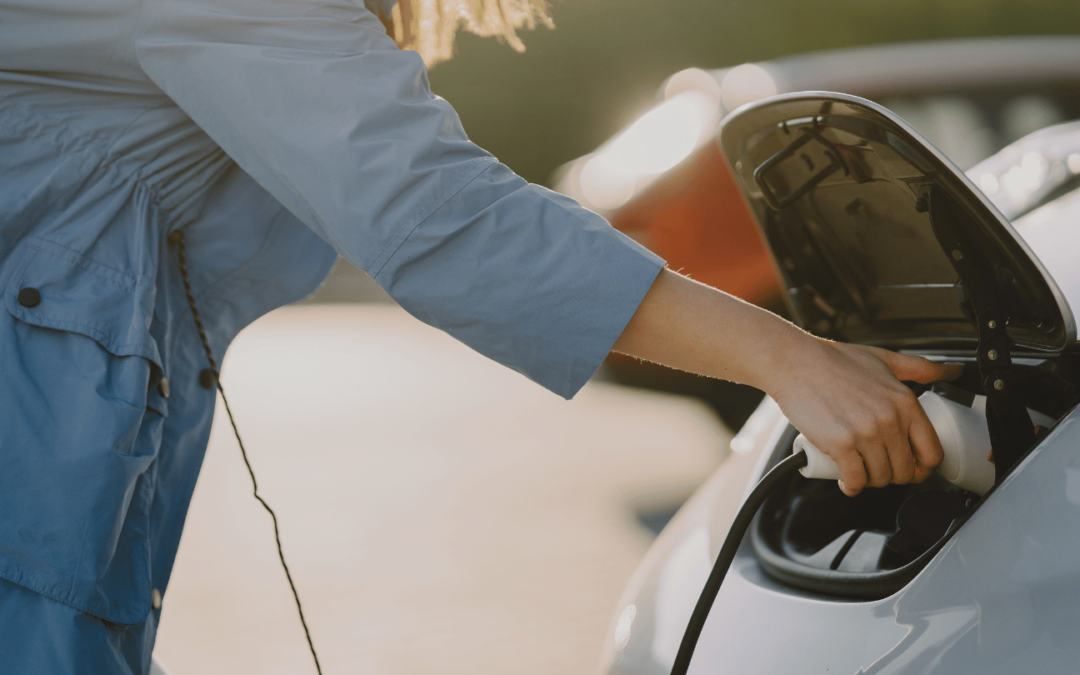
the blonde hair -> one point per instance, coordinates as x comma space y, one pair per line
429, 26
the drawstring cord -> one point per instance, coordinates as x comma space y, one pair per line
177, 238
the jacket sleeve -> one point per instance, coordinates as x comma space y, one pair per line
314, 101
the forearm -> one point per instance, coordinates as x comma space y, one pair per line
689, 326
847, 399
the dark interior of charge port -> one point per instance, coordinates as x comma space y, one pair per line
811, 536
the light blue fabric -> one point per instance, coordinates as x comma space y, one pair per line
276, 134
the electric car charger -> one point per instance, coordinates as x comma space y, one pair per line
964, 437
963, 434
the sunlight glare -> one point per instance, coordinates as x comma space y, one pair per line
745, 84
1025, 178
605, 183
988, 183
666, 135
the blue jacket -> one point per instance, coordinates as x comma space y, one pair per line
276, 134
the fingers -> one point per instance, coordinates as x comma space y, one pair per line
853, 476
865, 464
917, 369
880, 453
858, 412
874, 467
894, 463
902, 461
925, 445
920, 449
878, 467
909, 455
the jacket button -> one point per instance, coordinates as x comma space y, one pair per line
155, 599
207, 379
163, 387
29, 297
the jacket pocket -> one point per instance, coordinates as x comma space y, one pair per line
76, 444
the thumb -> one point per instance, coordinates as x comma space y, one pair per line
918, 369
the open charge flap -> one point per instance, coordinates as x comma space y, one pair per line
869, 226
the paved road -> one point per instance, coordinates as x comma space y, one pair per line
441, 514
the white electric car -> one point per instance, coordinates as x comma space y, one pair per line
879, 239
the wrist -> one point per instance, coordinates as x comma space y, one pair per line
786, 357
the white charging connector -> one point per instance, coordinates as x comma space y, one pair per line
963, 435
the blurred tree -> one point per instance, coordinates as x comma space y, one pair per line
578, 84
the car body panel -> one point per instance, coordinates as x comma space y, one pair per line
1001, 597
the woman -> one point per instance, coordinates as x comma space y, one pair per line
258, 139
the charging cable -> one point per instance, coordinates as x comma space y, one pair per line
735, 535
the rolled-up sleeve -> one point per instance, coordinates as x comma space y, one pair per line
316, 103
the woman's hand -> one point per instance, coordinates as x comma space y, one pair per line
847, 399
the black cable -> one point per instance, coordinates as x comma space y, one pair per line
735, 535
177, 238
